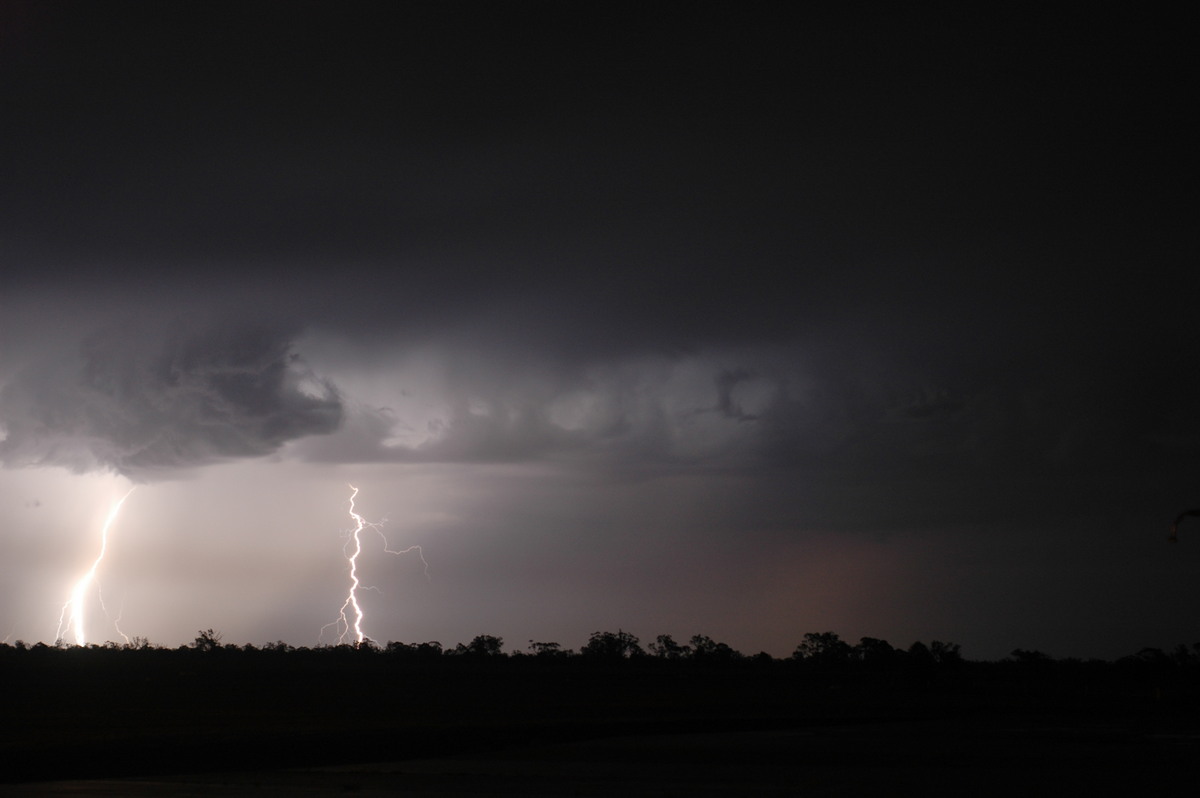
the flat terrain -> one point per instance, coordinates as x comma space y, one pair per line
181, 723
854, 759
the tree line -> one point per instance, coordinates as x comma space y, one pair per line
817, 651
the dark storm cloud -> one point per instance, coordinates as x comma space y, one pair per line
829, 413
143, 401
906, 275
916, 230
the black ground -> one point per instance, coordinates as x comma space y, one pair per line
108, 722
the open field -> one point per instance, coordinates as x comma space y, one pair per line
185, 723
984, 759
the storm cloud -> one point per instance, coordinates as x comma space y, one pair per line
143, 402
730, 321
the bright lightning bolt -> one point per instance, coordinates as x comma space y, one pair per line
352, 595
350, 617
74, 608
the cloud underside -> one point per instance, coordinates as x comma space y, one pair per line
764, 408
151, 402
141, 403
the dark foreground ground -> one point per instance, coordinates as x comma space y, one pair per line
869, 758
180, 727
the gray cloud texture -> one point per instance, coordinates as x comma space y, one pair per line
143, 402
899, 274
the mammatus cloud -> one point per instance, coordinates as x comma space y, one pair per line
141, 403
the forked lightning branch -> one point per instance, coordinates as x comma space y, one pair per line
349, 623
72, 618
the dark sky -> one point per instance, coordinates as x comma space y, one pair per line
689, 318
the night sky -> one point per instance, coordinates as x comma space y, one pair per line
673, 318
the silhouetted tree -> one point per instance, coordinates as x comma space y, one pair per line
945, 653
1183, 656
612, 646
1152, 656
429, 650
665, 647
920, 658
484, 646
824, 649
1031, 657
873, 652
706, 649
207, 640
547, 650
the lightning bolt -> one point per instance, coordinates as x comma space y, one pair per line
348, 624
116, 622
74, 608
